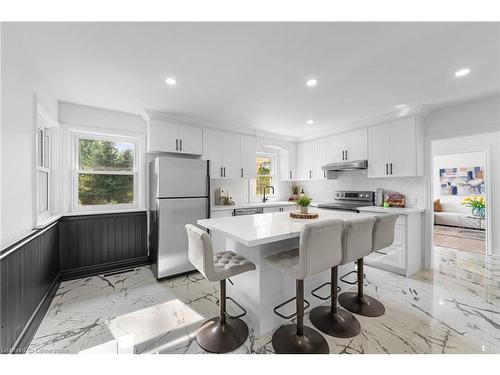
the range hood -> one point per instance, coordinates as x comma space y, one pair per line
331, 168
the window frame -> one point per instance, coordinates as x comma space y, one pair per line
272, 171
45, 167
76, 171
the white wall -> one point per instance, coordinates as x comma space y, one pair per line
454, 160
82, 118
21, 88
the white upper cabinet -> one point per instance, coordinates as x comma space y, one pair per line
165, 136
347, 146
288, 162
395, 149
231, 155
311, 156
248, 151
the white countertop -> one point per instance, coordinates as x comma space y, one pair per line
392, 210
251, 205
254, 230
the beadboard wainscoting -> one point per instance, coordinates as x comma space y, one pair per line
29, 279
92, 244
74, 246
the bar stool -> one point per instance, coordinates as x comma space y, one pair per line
319, 247
223, 333
332, 320
382, 236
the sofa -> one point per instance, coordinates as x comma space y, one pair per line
448, 214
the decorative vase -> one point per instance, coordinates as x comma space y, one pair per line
303, 209
479, 212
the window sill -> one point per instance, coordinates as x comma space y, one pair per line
47, 221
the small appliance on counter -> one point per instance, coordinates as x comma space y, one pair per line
222, 198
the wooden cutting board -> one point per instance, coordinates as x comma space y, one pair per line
298, 215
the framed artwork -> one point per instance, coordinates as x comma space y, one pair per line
462, 181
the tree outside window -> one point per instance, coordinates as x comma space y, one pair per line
264, 173
106, 172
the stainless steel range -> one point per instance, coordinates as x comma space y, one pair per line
349, 200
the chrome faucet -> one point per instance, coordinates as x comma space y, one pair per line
264, 199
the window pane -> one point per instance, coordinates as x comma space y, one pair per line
39, 147
46, 150
261, 182
42, 191
106, 156
99, 189
263, 166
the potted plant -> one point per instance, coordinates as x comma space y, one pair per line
477, 204
295, 192
304, 202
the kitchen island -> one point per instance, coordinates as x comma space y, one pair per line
256, 237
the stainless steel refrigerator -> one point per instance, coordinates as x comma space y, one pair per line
179, 194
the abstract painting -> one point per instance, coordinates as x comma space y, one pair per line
462, 181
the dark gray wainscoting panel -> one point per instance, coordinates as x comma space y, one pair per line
92, 244
29, 275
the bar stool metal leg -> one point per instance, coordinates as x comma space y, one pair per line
358, 302
222, 334
332, 320
299, 339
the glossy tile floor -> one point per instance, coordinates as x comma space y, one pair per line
454, 308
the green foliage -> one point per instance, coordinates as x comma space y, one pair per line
263, 178
100, 189
295, 189
304, 201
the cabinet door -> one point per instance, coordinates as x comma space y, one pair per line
248, 150
162, 136
318, 149
190, 140
212, 150
378, 150
357, 146
403, 148
304, 161
288, 163
336, 145
231, 159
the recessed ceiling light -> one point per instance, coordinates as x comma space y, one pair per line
462, 72
311, 82
400, 106
170, 81
310, 122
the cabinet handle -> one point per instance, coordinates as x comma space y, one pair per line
224, 171
391, 168
343, 155
324, 174
180, 143
346, 157
386, 168
290, 175
241, 172
176, 145
221, 172
310, 174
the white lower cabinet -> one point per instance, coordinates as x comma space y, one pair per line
404, 256
219, 241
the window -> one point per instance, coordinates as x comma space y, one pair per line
264, 172
42, 172
106, 173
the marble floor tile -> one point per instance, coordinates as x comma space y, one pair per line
454, 308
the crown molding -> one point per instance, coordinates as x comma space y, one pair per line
420, 111
151, 114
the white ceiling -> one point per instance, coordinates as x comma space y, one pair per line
253, 74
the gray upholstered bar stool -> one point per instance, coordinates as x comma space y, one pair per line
332, 320
223, 333
382, 236
319, 247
